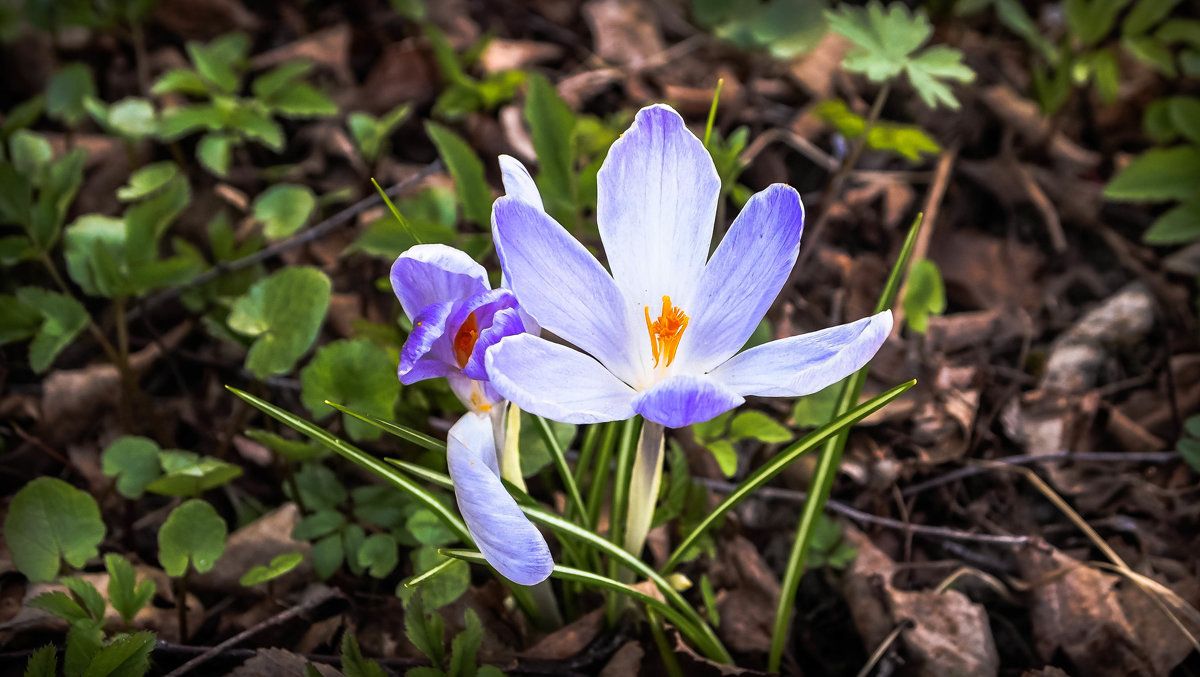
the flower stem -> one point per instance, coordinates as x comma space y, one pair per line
643, 486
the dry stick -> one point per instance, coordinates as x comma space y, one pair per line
883, 647
1094, 457
316, 232
282, 617
933, 201
833, 191
799, 497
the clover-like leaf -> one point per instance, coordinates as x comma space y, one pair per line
134, 462
755, 425
146, 180
885, 45
446, 586
379, 554
193, 534
283, 209
125, 594
356, 373
62, 318
49, 521
132, 118
189, 474
319, 524
280, 565
283, 313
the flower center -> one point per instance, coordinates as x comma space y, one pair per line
464, 340
666, 331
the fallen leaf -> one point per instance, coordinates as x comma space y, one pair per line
504, 55
626, 662
258, 543
626, 32
280, 663
568, 640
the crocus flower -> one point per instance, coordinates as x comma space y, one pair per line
660, 335
456, 317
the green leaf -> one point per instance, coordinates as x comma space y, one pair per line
1189, 448
428, 529
215, 151
815, 410
1158, 174
327, 556
1089, 21
183, 121
441, 580
1179, 225
302, 101
220, 60
147, 180
61, 605
189, 474
535, 452
551, 124
1179, 30
257, 125
726, 456
1145, 14
926, 295
18, 321
1157, 122
279, 78
427, 633
146, 221
356, 373
1150, 51
91, 245
319, 524
1184, 112
66, 92
466, 170
21, 116
292, 450
48, 521
320, 489
279, 565
181, 81
133, 118
127, 596
193, 533
828, 548
62, 319
353, 663
283, 209
127, 656
465, 646
29, 151
283, 313
43, 663
379, 554
84, 641
931, 67
758, 426
87, 594
134, 462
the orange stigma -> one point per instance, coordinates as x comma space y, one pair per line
666, 331
464, 340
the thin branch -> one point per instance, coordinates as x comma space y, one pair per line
1085, 457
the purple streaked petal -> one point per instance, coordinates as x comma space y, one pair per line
507, 539
428, 328
657, 200
433, 273
556, 382
743, 277
505, 322
684, 399
562, 285
518, 183
802, 365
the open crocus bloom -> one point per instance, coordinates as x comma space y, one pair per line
456, 317
659, 336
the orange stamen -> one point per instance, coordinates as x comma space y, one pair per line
464, 340
666, 331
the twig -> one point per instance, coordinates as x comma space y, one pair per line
933, 202
883, 647
277, 619
842, 509
1085, 457
316, 232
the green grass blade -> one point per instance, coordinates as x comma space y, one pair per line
564, 470
604, 583
360, 457
780, 461
417, 438
827, 465
712, 111
395, 212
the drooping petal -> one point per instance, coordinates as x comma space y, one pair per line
432, 273
477, 396
507, 539
743, 277
556, 382
684, 399
518, 183
422, 345
657, 197
801, 365
562, 285
505, 322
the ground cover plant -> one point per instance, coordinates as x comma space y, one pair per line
599, 337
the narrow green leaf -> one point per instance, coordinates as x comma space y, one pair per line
1177, 226
418, 438
564, 470
1158, 174
466, 170
551, 124
126, 656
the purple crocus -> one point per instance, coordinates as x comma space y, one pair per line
660, 335
456, 317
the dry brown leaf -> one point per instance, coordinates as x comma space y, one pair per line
204, 19
256, 544
1027, 119
948, 634
568, 640
626, 662
329, 48
503, 55
280, 663
625, 32
817, 70
751, 586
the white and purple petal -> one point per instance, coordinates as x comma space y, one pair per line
433, 273
743, 278
518, 183
507, 539
802, 365
684, 399
563, 286
557, 382
657, 197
